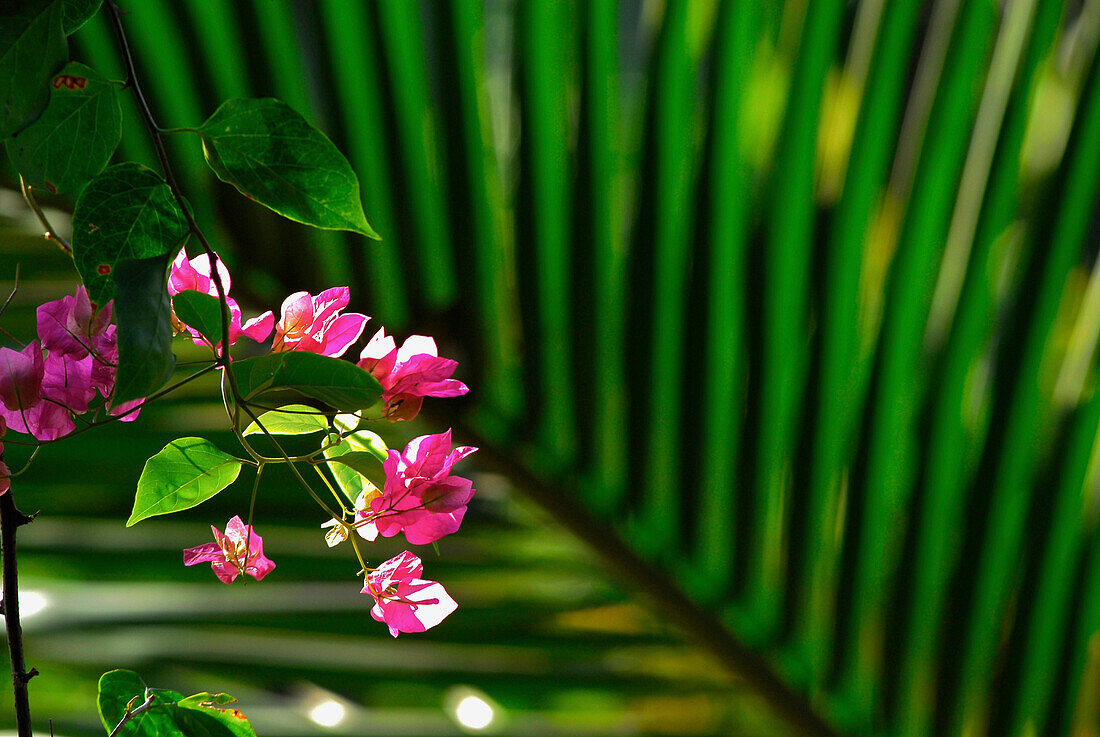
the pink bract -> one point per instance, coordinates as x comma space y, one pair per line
67, 326
420, 497
227, 554
403, 600
410, 373
195, 274
315, 324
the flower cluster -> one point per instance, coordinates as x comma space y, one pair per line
419, 496
56, 377
239, 550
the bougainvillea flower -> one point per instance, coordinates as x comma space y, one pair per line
196, 274
315, 324
403, 600
38, 396
68, 326
239, 550
420, 497
409, 374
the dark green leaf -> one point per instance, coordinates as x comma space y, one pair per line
144, 314
186, 473
32, 50
200, 311
127, 212
340, 384
293, 419
117, 688
74, 138
272, 155
76, 13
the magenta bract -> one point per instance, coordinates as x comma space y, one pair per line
315, 324
420, 497
403, 600
410, 373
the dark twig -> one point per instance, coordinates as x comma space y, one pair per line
10, 520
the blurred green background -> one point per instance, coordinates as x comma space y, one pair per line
787, 310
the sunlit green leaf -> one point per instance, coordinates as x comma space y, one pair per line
340, 384
144, 314
171, 715
127, 212
275, 157
75, 136
185, 473
293, 419
120, 688
205, 715
32, 50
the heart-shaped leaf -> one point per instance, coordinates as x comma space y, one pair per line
185, 473
339, 384
272, 155
75, 136
127, 212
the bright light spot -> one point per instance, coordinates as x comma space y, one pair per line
328, 713
31, 603
474, 712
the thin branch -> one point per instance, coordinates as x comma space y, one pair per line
51, 234
10, 521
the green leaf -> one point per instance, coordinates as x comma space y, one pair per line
200, 311
75, 13
350, 480
361, 461
368, 442
144, 314
74, 138
293, 419
186, 473
32, 49
272, 155
338, 383
171, 715
117, 688
201, 715
127, 212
